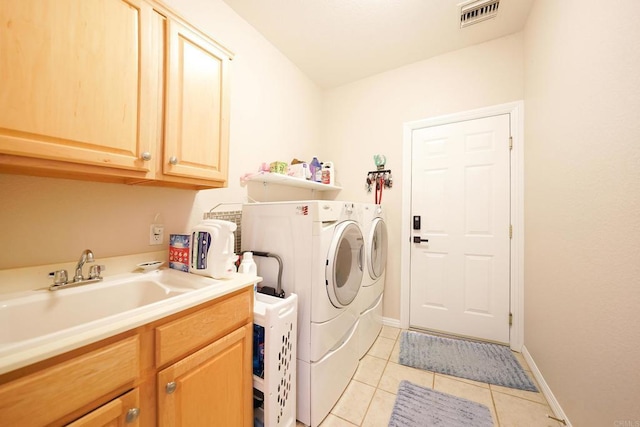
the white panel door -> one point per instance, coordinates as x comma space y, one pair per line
460, 189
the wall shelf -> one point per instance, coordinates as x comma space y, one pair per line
280, 179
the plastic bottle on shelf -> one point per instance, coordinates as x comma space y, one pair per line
319, 173
314, 167
328, 173
248, 266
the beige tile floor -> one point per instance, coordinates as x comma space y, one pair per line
369, 397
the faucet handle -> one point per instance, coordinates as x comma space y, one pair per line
60, 277
95, 271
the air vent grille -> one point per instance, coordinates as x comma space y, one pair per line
478, 11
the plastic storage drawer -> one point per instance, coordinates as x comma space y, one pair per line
277, 343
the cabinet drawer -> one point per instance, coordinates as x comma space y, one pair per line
179, 337
115, 413
63, 388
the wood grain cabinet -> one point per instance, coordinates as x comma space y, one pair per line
211, 387
71, 386
111, 90
191, 369
197, 106
120, 412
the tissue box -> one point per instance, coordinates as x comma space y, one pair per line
179, 248
300, 170
278, 167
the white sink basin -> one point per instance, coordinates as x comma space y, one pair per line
40, 324
43, 312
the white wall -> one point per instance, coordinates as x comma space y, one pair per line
582, 206
275, 111
366, 117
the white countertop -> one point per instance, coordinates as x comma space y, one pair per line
22, 353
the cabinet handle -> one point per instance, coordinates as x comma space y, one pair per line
171, 387
132, 415
146, 156
173, 160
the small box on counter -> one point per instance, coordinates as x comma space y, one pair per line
179, 248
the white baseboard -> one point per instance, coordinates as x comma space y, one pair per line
546, 391
387, 321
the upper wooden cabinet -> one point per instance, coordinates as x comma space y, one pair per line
197, 106
73, 81
111, 90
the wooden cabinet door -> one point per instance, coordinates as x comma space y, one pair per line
74, 81
197, 107
120, 412
70, 385
211, 387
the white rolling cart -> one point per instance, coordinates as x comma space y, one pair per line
277, 342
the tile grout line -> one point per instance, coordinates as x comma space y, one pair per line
387, 360
495, 408
375, 387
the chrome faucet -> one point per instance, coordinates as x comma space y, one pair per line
60, 277
87, 256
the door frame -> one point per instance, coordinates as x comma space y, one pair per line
516, 275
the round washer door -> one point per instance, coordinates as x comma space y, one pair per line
344, 264
377, 250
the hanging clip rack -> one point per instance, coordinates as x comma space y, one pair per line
376, 176
381, 178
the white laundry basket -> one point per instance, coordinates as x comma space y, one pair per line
278, 317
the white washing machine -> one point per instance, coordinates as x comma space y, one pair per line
322, 250
369, 300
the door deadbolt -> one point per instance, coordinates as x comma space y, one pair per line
416, 222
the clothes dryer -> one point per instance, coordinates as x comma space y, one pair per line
321, 247
371, 294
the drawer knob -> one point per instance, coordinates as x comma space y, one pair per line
173, 160
132, 415
171, 387
146, 156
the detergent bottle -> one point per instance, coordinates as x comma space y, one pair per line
316, 169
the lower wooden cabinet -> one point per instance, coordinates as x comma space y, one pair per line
120, 412
211, 387
189, 369
70, 385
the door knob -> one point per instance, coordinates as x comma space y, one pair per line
417, 239
146, 156
173, 160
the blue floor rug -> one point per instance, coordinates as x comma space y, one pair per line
484, 362
417, 406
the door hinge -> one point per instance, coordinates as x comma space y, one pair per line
510, 231
510, 319
510, 143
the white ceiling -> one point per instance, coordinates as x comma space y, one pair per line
339, 41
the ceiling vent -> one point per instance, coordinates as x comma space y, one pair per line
478, 11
